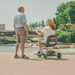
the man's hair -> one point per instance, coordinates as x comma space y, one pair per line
20, 7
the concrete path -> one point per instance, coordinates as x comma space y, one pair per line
36, 66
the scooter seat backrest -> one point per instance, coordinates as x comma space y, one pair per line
52, 40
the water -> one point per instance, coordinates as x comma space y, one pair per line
10, 48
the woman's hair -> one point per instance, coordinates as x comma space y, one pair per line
20, 7
51, 24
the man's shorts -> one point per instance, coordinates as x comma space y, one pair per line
21, 35
42, 41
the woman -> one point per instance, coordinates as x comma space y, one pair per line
48, 30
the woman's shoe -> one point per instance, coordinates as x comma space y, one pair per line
40, 52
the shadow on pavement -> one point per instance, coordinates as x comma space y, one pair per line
56, 59
35, 59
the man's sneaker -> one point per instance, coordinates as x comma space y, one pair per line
24, 57
16, 56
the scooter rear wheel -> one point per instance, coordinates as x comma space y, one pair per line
58, 55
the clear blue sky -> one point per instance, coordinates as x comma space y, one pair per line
35, 10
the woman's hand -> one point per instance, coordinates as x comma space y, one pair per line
36, 32
40, 34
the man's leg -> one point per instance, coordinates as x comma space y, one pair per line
17, 44
17, 47
22, 48
23, 39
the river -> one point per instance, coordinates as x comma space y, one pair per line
10, 48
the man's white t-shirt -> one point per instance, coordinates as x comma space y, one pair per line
47, 32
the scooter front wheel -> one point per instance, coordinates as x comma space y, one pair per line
38, 54
45, 56
58, 55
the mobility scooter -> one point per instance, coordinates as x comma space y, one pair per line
51, 42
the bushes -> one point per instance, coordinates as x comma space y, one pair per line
28, 41
62, 27
69, 30
73, 36
58, 31
63, 35
7, 41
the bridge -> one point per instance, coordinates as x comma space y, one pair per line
31, 33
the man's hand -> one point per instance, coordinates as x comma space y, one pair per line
27, 33
25, 27
15, 28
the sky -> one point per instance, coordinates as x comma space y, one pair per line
35, 10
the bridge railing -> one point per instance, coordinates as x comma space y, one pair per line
31, 33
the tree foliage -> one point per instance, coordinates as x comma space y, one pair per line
65, 11
35, 25
62, 18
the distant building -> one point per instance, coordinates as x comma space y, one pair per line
2, 27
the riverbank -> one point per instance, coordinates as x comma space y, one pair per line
36, 66
59, 45
10, 48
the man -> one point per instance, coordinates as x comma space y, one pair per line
20, 28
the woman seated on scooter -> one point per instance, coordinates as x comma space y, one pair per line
48, 30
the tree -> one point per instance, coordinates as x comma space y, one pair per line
42, 24
61, 8
62, 18
72, 13
65, 11
35, 25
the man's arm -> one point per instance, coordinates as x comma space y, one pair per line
25, 27
14, 28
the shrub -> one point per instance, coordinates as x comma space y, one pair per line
73, 36
58, 32
69, 30
62, 27
28, 41
62, 35
7, 41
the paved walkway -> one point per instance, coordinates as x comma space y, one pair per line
36, 66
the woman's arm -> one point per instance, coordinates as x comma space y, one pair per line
40, 34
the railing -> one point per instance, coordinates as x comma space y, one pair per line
31, 33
